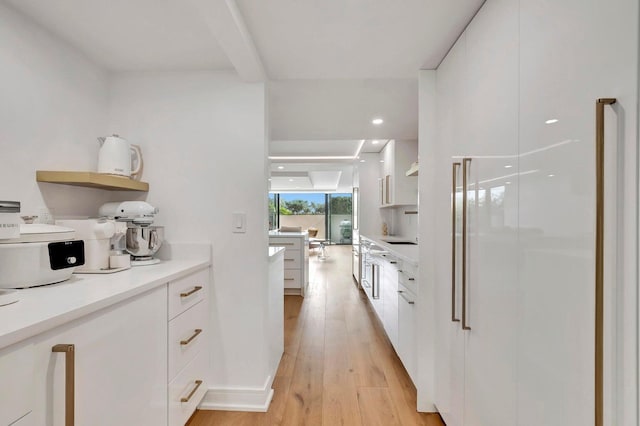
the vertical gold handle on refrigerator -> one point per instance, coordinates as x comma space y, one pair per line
69, 386
454, 169
465, 170
599, 314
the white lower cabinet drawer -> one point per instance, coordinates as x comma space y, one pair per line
16, 383
187, 390
292, 259
186, 292
288, 243
187, 336
292, 278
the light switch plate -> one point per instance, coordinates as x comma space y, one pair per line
239, 222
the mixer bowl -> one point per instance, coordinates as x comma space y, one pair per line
144, 241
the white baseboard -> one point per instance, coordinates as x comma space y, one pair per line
238, 399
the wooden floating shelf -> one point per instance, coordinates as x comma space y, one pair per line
91, 180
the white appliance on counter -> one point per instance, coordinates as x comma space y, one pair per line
143, 239
42, 254
98, 236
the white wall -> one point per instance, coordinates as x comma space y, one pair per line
54, 105
203, 139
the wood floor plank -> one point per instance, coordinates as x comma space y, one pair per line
376, 407
304, 401
338, 366
339, 402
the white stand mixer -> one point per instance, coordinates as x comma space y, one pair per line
142, 238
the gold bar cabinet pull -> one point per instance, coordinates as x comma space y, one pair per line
465, 171
454, 170
188, 397
195, 334
190, 292
599, 314
69, 386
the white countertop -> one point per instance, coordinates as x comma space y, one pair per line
43, 308
274, 252
408, 253
288, 234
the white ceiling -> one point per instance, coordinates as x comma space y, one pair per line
333, 65
343, 109
311, 177
124, 35
354, 39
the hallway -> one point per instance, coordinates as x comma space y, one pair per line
338, 366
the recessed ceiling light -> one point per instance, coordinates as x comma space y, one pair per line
508, 166
508, 183
290, 180
269, 179
280, 167
377, 121
375, 142
551, 121
382, 161
551, 175
362, 161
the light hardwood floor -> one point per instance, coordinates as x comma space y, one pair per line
338, 367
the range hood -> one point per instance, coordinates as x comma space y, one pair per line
413, 170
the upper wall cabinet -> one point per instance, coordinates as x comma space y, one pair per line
396, 188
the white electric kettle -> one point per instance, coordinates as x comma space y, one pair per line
116, 156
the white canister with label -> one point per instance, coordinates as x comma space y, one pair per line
9, 219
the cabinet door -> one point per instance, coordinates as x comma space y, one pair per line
406, 331
491, 219
572, 53
389, 285
377, 275
449, 346
120, 366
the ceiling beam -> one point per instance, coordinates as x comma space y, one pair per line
228, 27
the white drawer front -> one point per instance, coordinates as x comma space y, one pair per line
187, 291
183, 386
288, 243
408, 277
16, 376
292, 259
187, 336
292, 278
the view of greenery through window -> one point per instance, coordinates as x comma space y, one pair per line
309, 210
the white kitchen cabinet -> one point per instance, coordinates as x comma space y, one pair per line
395, 187
16, 375
376, 295
120, 365
570, 57
516, 105
296, 260
389, 284
491, 153
406, 346
450, 341
188, 346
